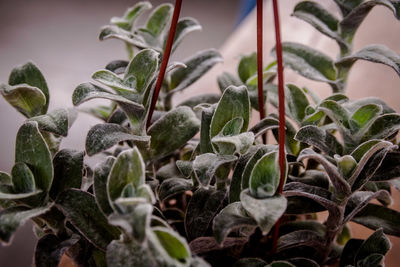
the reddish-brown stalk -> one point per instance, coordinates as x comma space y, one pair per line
278, 49
164, 62
260, 63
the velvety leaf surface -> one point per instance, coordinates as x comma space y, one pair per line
81, 210
101, 173
247, 66
28, 100
205, 166
376, 243
203, 206
112, 80
296, 101
383, 127
105, 135
196, 66
31, 149
298, 239
112, 31
117, 66
264, 125
159, 19
205, 140
131, 15
231, 217
50, 249
128, 168
55, 122
236, 144
68, 171
12, 218
226, 79
23, 180
173, 186
122, 254
30, 74
181, 123
264, 211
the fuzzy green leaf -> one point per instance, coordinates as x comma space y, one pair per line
308, 62
173, 186
296, 101
31, 149
206, 117
226, 79
122, 254
68, 171
265, 176
374, 53
264, 125
200, 99
233, 103
205, 166
28, 100
159, 19
131, 15
141, 70
247, 66
56, 122
264, 211
12, 218
30, 74
196, 66
250, 262
112, 80
181, 123
376, 243
383, 127
183, 28
231, 217
101, 172
105, 135
82, 212
229, 145
128, 169
112, 31
364, 116
22, 178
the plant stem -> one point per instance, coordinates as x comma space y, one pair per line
260, 84
281, 110
164, 62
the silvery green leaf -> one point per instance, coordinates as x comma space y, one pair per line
30, 74
264, 125
360, 200
12, 218
196, 66
205, 166
200, 99
185, 167
346, 165
168, 171
376, 243
226, 79
336, 113
181, 123
346, 6
231, 217
233, 103
365, 149
101, 173
112, 80
375, 53
375, 216
112, 31
28, 100
268, 76
250, 262
173, 186
135, 112
265, 176
117, 66
141, 70
23, 180
264, 211
296, 101
292, 146
31, 149
82, 212
383, 127
159, 19
202, 207
128, 168
183, 28
356, 15
131, 15
229, 145
353, 105
320, 18
132, 253
298, 239
135, 222
105, 135
309, 63
49, 249
341, 186
171, 248
323, 140
247, 66
205, 140
68, 171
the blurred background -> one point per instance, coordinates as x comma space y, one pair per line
61, 38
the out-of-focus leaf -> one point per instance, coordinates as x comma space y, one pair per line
12, 218
264, 211
112, 31
231, 217
205, 140
298, 239
159, 19
101, 172
389, 168
183, 28
349, 252
376, 243
264, 125
364, 116
131, 15
122, 254
23, 180
105, 135
196, 66
205, 166
200, 99
203, 206
181, 123
280, 264
28, 100
296, 101
82, 212
247, 66
173, 186
117, 66
56, 122
383, 127
30, 74
250, 262
31, 149
112, 80
68, 171
226, 79
229, 145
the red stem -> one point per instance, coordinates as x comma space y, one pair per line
282, 160
260, 63
164, 62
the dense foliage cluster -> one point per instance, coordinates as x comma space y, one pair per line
198, 187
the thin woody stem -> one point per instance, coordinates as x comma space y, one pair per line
164, 62
260, 63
